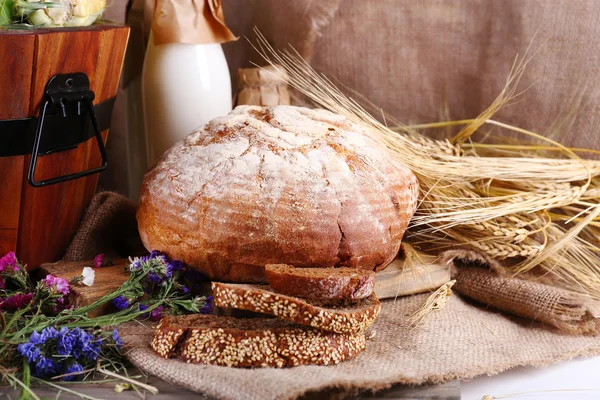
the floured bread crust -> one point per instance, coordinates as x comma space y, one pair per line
276, 185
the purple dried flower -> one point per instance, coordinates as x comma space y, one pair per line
121, 302
154, 254
154, 277
99, 261
75, 367
184, 289
9, 260
207, 308
156, 314
59, 285
174, 266
16, 301
117, 339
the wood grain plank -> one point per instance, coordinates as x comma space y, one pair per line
400, 280
16, 53
113, 43
107, 280
50, 215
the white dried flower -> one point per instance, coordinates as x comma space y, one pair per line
88, 274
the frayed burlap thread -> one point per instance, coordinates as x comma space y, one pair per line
483, 279
461, 341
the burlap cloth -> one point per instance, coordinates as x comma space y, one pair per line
460, 341
109, 227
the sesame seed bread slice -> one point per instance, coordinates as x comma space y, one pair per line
347, 318
321, 283
251, 342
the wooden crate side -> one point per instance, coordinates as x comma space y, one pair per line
50, 215
113, 43
16, 53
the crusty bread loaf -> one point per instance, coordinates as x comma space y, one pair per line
347, 318
277, 185
251, 342
320, 283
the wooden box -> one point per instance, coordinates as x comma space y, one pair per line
39, 222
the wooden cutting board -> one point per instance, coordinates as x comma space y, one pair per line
107, 280
400, 278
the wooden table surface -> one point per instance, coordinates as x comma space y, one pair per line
105, 391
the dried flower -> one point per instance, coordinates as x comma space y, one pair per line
121, 302
51, 352
58, 285
117, 339
88, 276
207, 309
155, 315
9, 261
45, 367
16, 301
99, 261
73, 369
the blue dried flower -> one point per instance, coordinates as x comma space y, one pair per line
45, 367
154, 254
117, 339
29, 350
121, 302
154, 277
207, 308
49, 333
67, 341
91, 349
75, 367
36, 338
174, 266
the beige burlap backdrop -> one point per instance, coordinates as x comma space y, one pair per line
421, 61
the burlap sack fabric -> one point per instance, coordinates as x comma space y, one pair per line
460, 341
109, 227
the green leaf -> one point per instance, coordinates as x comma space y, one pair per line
6, 7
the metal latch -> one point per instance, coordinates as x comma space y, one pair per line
69, 93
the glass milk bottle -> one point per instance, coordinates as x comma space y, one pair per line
183, 87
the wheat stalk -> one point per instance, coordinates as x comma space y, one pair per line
535, 205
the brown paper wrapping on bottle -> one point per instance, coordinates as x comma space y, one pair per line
175, 21
262, 87
179, 21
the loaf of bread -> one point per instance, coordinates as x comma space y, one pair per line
351, 317
321, 283
277, 185
253, 342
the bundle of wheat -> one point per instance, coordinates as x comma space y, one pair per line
535, 206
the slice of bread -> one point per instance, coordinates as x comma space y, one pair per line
345, 318
251, 342
321, 283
